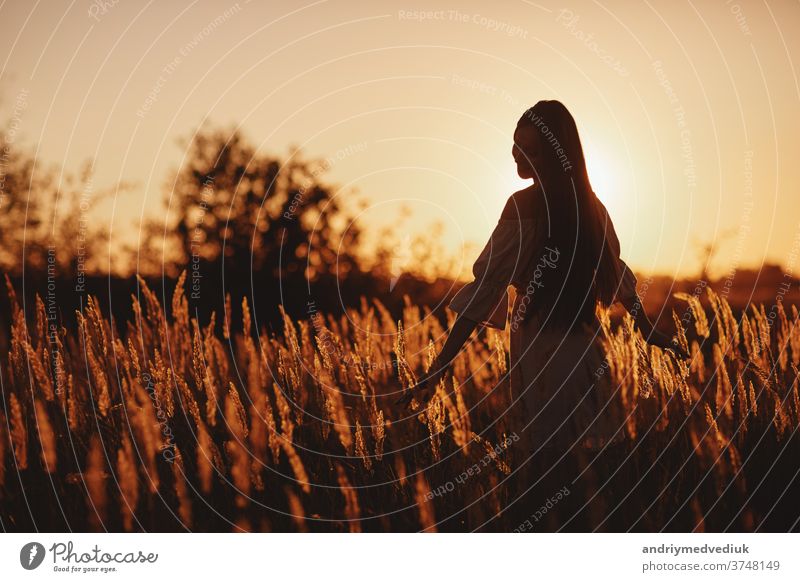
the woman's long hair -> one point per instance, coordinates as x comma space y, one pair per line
564, 292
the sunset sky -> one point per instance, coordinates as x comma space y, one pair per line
688, 110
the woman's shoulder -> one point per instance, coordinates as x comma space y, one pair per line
601, 208
521, 205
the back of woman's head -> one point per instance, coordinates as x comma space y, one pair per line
568, 212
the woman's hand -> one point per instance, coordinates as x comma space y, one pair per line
663, 341
649, 332
424, 390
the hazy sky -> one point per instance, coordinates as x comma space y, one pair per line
688, 110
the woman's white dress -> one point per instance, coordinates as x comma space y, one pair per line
559, 377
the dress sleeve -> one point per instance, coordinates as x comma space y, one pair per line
626, 280
485, 299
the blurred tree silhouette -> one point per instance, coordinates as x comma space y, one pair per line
236, 217
46, 215
20, 213
238, 221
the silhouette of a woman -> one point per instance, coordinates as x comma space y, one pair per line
556, 245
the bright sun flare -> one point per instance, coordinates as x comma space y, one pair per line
603, 177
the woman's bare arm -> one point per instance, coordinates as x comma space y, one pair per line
456, 338
650, 334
